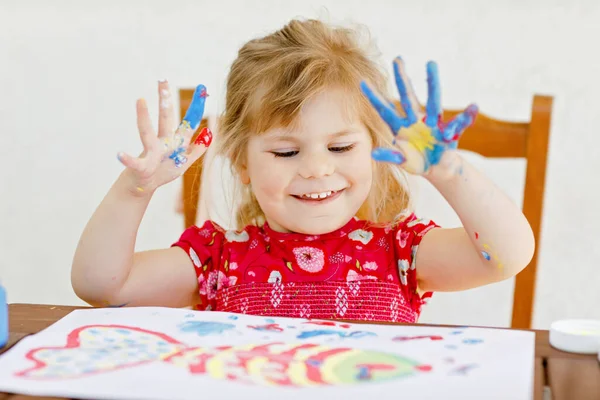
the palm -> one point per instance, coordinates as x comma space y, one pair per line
423, 136
168, 154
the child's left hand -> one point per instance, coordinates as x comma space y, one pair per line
423, 138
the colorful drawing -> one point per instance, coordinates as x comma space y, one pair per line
105, 348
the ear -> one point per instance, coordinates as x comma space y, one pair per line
244, 176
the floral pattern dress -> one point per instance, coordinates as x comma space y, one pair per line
361, 271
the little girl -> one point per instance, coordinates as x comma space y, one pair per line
323, 227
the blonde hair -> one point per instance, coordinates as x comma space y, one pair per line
273, 77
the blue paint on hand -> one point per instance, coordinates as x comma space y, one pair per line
433, 108
486, 255
388, 155
385, 110
205, 328
195, 111
433, 137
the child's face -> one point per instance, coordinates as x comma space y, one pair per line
327, 154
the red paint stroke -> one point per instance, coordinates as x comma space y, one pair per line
267, 328
476, 235
328, 323
204, 137
405, 338
424, 368
73, 342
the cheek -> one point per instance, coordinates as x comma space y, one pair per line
265, 182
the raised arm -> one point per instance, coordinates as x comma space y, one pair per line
106, 270
496, 241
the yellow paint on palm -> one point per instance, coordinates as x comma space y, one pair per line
420, 136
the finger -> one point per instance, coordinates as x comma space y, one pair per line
144, 124
455, 128
194, 113
433, 109
128, 161
196, 150
204, 137
382, 154
408, 99
383, 109
166, 112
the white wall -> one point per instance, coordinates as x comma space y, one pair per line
70, 73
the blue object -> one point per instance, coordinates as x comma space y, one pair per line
3, 317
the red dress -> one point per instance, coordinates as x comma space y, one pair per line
358, 272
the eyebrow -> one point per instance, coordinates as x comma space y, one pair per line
335, 135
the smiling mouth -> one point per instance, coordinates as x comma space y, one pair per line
319, 196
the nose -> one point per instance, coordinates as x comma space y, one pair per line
316, 166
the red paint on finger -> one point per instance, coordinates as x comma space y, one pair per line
205, 137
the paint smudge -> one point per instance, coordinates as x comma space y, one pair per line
188, 316
476, 235
195, 111
204, 137
424, 368
472, 341
269, 320
328, 323
328, 332
486, 255
456, 332
463, 369
451, 346
233, 317
178, 157
406, 338
205, 328
266, 328
365, 371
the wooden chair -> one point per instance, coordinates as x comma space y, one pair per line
488, 137
529, 140
191, 177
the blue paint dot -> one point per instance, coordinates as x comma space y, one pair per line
451, 347
188, 316
269, 321
233, 317
456, 332
123, 331
486, 255
472, 341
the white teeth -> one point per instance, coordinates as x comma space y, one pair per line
321, 195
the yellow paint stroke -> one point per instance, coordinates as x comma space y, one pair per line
420, 136
493, 255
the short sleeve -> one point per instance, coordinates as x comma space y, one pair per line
408, 234
204, 246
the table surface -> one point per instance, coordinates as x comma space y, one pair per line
562, 375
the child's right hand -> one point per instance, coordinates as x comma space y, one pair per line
169, 154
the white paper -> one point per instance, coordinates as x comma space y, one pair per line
162, 353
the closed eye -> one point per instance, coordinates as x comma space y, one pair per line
284, 153
341, 149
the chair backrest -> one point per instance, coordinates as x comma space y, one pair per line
192, 177
488, 137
